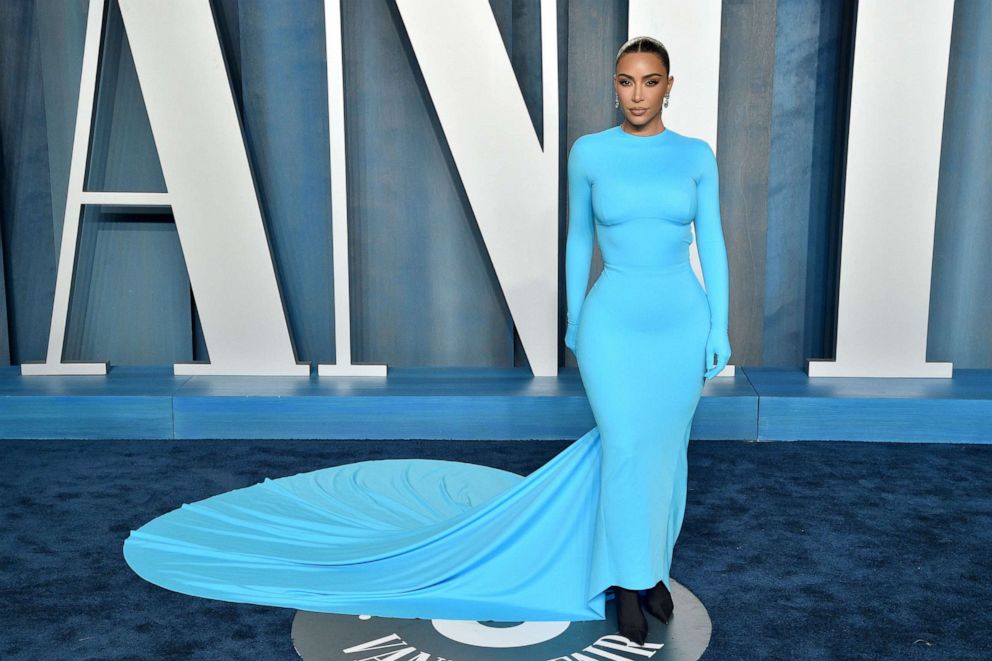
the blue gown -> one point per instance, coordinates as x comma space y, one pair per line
423, 538
640, 334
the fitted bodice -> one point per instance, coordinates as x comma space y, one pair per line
639, 197
643, 192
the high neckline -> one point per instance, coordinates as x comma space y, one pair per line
641, 138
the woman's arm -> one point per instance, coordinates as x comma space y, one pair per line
713, 259
579, 243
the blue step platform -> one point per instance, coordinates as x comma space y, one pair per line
484, 404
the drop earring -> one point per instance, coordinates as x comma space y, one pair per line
666, 99
616, 104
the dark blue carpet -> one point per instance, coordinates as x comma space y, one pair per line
808, 550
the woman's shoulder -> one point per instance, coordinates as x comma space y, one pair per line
587, 147
590, 140
690, 141
700, 144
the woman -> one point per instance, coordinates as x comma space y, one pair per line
647, 336
425, 538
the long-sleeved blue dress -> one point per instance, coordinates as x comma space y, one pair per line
423, 538
640, 334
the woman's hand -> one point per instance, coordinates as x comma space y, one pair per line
717, 344
570, 333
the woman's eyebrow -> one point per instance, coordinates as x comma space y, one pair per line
647, 75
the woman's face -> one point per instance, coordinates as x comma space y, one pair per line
641, 82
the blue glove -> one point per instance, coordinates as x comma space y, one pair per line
570, 333
718, 347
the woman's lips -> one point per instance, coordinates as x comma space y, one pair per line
638, 111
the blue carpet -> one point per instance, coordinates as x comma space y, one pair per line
811, 550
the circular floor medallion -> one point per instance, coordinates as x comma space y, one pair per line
331, 637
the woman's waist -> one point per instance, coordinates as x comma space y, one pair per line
647, 269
